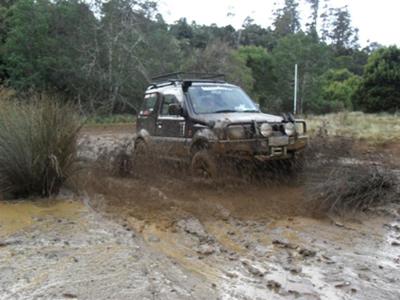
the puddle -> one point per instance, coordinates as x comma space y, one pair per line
15, 216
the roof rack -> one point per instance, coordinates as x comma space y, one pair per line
188, 76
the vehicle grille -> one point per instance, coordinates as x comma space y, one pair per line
278, 129
250, 132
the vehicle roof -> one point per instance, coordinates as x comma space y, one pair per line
161, 87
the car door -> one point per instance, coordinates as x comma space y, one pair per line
148, 114
170, 129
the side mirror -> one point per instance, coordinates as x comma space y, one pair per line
175, 109
257, 105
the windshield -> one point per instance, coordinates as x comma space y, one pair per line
220, 99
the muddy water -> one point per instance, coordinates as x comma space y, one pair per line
63, 249
67, 249
271, 261
16, 216
259, 242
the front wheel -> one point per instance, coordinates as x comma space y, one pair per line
204, 165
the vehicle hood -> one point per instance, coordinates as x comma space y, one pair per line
229, 118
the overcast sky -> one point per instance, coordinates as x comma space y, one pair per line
377, 20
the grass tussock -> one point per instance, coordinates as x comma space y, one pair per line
37, 146
355, 188
373, 128
340, 180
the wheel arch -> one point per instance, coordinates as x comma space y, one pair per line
142, 135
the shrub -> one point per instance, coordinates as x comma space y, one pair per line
338, 86
37, 146
379, 90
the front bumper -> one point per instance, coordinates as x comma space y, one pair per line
261, 149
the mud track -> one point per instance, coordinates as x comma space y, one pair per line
152, 237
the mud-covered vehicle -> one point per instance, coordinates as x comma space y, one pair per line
201, 119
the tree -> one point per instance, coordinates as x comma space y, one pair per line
354, 61
28, 47
338, 87
133, 47
262, 69
219, 57
339, 32
3, 36
379, 89
254, 35
102, 54
313, 59
287, 19
182, 30
312, 26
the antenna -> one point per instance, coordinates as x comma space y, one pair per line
295, 90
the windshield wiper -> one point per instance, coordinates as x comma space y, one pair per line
250, 110
224, 111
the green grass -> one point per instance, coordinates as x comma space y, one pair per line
372, 128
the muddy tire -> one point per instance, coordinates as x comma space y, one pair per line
204, 166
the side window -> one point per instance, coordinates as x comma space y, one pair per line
149, 104
167, 100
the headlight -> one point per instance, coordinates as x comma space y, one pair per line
266, 129
236, 132
290, 129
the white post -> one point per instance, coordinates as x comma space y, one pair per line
295, 90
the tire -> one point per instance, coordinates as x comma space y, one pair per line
204, 166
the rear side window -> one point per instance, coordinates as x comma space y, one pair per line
168, 99
149, 104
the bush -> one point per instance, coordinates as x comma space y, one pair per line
379, 90
37, 147
338, 87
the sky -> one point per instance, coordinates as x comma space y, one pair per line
377, 20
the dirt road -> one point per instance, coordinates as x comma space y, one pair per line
150, 237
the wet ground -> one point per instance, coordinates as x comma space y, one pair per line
64, 250
150, 237
257, 242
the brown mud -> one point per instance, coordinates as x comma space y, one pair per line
259, 242
164, 236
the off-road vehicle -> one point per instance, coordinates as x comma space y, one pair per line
202, 119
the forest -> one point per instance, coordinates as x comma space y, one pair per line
101, 55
